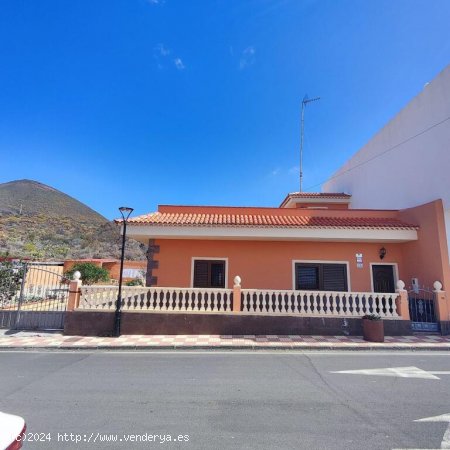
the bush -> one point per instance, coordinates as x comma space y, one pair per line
372, 317
135, 282
90, 273
10, 280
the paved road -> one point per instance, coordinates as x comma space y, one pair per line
226, 400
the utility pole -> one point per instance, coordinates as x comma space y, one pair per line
305, 101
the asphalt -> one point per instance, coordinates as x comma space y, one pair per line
226, 399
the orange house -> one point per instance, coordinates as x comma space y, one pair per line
312, 241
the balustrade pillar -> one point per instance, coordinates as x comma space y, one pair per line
74, 292
237, 294
401, 302
440, 303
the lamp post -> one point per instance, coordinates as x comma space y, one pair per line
125, 212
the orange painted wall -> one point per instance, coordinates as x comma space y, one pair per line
69, 263
43, 275
427, 258
267, 264
114, 268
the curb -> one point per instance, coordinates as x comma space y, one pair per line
427, 347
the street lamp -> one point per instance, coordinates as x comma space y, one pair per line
125, 212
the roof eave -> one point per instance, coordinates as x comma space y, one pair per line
290, 198
326, 234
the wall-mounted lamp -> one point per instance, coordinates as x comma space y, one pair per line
382, 252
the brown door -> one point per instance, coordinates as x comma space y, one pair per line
383, 278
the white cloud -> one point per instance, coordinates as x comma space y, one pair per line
247, 57
275, 172
163, 59
291, 172
156, 2
161, 50
179, 64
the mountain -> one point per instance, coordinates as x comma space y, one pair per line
41, 222
30, 198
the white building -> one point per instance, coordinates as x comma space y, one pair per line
407, 163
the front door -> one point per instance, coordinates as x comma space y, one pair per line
383, 278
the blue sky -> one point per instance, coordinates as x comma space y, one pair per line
146, 102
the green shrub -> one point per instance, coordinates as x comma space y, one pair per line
10, 280
90, 273
372, 317
135, 282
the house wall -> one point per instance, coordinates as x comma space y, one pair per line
43, 275
267, 264
69, 263
407, 162
114, 268
427, 258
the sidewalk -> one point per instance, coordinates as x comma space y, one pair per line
50, 340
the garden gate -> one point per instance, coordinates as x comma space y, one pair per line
422, 310
33, 296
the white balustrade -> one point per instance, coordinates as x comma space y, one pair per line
137, 298
255, 301
98, 297
319, 303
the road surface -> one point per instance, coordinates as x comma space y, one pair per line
228, 399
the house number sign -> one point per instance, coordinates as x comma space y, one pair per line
359, 260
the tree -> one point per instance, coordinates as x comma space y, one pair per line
90, 273
10, 279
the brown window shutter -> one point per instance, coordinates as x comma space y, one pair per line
201, 278
321, 277
218, 274
307, 277
334, 277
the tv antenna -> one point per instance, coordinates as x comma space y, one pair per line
305, 101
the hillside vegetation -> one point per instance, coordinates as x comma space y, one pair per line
38, 221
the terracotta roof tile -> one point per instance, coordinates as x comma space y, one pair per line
266, 220
319, 195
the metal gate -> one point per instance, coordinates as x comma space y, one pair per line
33, 296
422, 310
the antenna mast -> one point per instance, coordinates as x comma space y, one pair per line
305, 101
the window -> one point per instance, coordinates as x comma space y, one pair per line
321, 277
209, 274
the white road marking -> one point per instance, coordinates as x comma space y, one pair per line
445, 444
442, 418
402, 372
